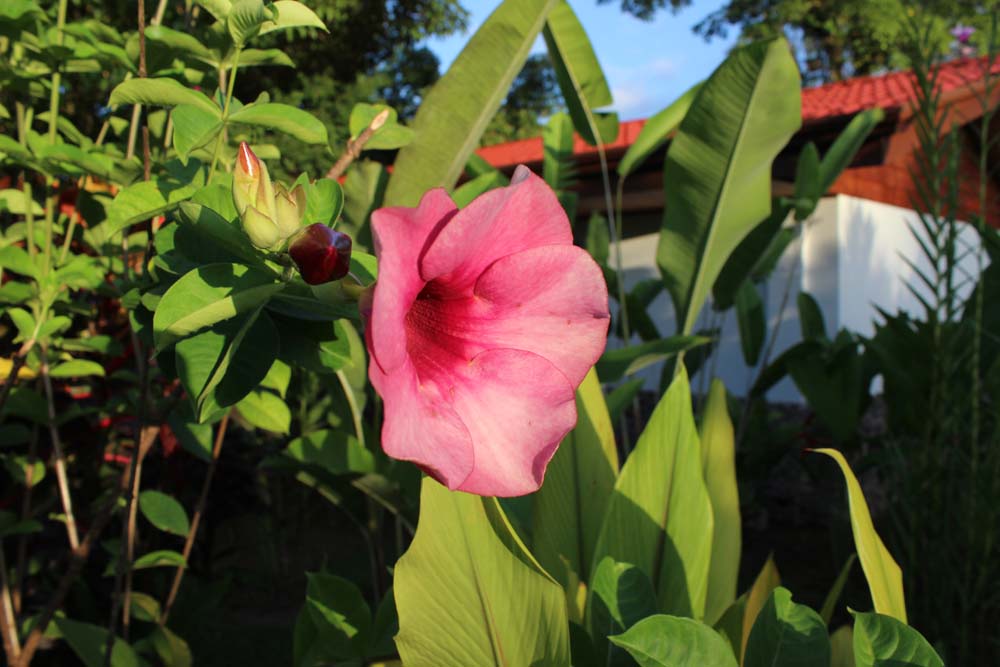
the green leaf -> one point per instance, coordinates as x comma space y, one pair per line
195, 438
205, 237
457, 109
616, 364
162, 558
390, 135
15, 202
89, 642
885, 579
840, 154
750, 322
807, 185
718, 169
285, 118
333, 451
670, 641
16, 259
24, 322
246, 19
621, 596
266, 411
160, 92
264, 57
655, 131
579, 74
764, 585
207, 295
623, 395
745, 261
324, 201
830, 602
787, 634
220, 366
468, 592
164, 512
465, 193
219, 9
558, 168
340, 615
141, 201
718, 463
884, 641
292, 14
660, 517
568, 508
10, 525
181, 41
810, 318
77, 368
194, 127
173, 651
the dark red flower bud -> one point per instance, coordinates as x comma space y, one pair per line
320, 253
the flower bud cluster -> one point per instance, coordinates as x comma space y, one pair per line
270, 213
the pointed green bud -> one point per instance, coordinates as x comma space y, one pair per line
252, 184
290, 209
260, 228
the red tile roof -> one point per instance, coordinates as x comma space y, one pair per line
847, 97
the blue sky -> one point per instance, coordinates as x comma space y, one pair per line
648, 64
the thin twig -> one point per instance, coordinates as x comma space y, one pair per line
77, 559
17, 363
355, 146
220, 436
22, 544
60, 455
146, 439
8, 621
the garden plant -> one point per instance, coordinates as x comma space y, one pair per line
421, 348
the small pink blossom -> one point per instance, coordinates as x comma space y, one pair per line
962, 33
483, 323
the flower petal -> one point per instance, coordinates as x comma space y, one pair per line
501, 222
400, 235
517, 408
421, 425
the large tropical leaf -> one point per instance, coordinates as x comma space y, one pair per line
672, 641
885, 578
569, 508
718, 461
787, 634
883, 641
458, 108
468, 592
717, 174
580, 76
659, 517
655, 131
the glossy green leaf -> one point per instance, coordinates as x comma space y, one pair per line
750, 321
292, 14
16, 259
569, 507
340, 615
787, 634
717, 175
164, 512
621, 596
767, 582
159, 92
390, 135
24, 322
181, 41
205, 237
219, 9
655, 131
245, 20
745, 261
141, 201
810, 318
579, 74
162, 558
884, 641
266, 411
89, 642
840, 154
618, 363
468, 592
324, 201
457, 109
718, 464
194, 127
221, 365
207, 295
76, 368
671, 641
285, 118
15, 202
885, 579
333, 451
659, 517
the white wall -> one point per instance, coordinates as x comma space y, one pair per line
850, 256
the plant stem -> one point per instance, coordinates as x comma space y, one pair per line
29, 218
8, 621
225, 113
355, 146
56, 75
175, 586
77, 559
16, 364
22, 545
60, 456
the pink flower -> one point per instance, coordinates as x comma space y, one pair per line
483, 323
